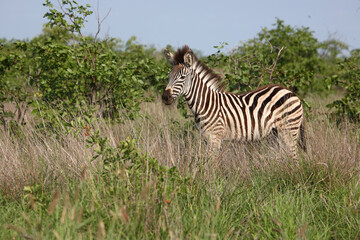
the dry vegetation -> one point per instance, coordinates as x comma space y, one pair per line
58, 160
36, 157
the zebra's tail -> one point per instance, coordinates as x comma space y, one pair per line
302, 140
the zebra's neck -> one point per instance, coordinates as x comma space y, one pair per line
202, 94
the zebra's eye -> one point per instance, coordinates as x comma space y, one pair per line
182, 77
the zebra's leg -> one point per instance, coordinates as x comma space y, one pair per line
213, 139
214, 144
288, 142
212, 149
274, 139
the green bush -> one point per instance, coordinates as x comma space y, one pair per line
64, 71
15, 72
349, 79
282, 55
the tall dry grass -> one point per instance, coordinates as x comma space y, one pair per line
37, 157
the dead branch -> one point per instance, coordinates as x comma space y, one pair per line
272, 67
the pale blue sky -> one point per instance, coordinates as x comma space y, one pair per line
200, 24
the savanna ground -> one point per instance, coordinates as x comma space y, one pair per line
152, 179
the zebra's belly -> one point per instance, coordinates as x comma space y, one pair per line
243, 135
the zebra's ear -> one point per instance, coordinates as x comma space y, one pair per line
169, 57
188, 58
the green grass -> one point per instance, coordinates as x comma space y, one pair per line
51, 190
257, 208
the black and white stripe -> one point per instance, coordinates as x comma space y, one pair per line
220, 115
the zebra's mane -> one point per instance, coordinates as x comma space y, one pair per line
209, 77
179, 55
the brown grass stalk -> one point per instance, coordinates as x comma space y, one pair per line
37, 158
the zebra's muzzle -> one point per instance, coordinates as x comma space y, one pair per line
167, 97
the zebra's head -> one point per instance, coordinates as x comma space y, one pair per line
180, 75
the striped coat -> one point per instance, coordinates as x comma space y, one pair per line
221, 115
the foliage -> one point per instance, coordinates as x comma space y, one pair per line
83, 68
64, 70
283, 55
349, 79
126, 157
14, 84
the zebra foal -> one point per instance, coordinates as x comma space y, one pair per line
221, 115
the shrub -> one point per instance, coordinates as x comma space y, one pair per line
283, 55
348, 78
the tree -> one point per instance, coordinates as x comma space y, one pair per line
283, 55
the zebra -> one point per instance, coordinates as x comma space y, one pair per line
221, 115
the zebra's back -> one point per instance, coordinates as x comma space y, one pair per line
253, 115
